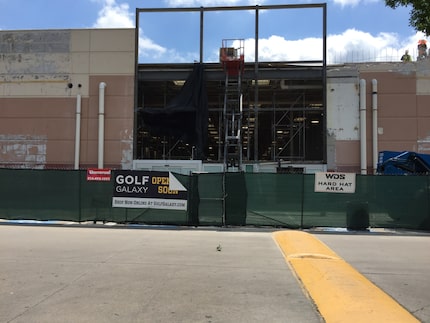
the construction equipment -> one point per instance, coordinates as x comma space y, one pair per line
407, 204
403, 163
232, 60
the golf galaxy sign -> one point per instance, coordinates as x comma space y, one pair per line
148, 190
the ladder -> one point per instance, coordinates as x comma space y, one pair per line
232, 59
233, 122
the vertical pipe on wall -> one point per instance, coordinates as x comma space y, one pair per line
363, 153
136, 82
375, 123
78, 131
102, 87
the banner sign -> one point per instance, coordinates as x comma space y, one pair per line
147, 189
98, 174
335, 182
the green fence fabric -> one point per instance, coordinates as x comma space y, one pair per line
224, 199
210, 190
274, 199
235, 199
47, 195
66, 195
400, 201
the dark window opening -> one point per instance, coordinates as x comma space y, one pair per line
286, 123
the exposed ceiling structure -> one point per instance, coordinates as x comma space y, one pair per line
289, 112
283, 116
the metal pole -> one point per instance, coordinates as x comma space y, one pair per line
324, 80
224, 195
201, 33
303, 202
256, 110
136, 82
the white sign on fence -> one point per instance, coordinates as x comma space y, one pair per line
148, 190
335, 182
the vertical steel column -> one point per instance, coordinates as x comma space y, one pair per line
201, 33
256, 109
324, 80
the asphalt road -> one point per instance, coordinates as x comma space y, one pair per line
93, 274
75, 274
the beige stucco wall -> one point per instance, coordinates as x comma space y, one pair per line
403, 111
41, 74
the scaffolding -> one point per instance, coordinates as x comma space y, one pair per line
232, 61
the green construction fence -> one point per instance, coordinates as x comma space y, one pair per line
223, 199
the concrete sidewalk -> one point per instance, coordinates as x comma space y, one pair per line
87, 274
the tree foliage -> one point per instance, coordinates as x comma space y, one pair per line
420, 13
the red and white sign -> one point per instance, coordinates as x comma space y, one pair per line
98, 174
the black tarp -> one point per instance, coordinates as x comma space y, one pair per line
185, 117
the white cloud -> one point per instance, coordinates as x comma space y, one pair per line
351, 3
148, 48
151, 52
277, 48
350, 46
358, 46
208, 3
114, 15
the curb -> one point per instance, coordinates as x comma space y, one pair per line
339, 291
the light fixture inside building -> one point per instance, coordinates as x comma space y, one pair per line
261, 82
299, 119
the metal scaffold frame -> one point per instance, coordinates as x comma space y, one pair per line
232, 60
267, 88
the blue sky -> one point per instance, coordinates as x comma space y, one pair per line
358, 30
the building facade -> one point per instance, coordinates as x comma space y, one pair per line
395, 112
49, 79
71, 99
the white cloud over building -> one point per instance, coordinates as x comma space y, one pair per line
352, 45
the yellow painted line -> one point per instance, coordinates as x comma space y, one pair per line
340, 292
